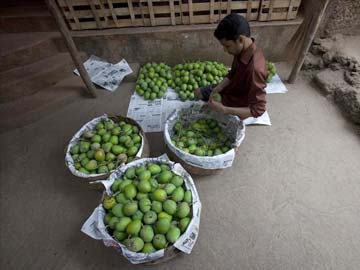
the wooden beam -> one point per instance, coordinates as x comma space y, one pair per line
309, 36
54, 9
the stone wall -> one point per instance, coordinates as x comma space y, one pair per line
336, 72
342, 16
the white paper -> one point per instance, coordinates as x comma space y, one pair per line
104, 74
275, 86
264, 119
152, 114
95, 228
148, 113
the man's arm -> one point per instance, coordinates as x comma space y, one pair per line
241, 112
225, 82
256, 99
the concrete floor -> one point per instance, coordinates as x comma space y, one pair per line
291, 200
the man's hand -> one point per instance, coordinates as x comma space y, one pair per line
217, 106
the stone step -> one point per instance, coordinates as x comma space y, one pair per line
28, 79
18, 49
31, 108
22, 18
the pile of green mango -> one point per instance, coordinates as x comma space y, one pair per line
188, 77
185, 78
153, 80
271, 71
149, 209
105, 147
202, 137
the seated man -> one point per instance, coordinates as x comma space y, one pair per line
243, 89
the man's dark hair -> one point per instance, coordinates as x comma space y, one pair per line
231, 27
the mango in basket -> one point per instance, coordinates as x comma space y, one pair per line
150, 208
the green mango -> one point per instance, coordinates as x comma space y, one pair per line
107, 218
178, 194
138, 215
117, 210
122, 224
145, 205
107, 147
130, 208
169, 188
147, 233
115, 185
75, 149
188, 196
130, 191
177, 180
135, 244
91, 165
183, 210
159, 195
141, 195
173, 234
150, 217
169, 207
148, 248
134, 227
139, 169
124, 183
144, 186
154, 169
113, 221
164, 177
159, 241
84, 147
120, 198
162, 225
144, 175
120, 236
130, 173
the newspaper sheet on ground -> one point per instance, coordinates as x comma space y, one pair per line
152, 114
104, 74
276, 86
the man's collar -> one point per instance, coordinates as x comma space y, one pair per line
246, 55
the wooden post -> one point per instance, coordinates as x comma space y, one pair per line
307, 42
71, 46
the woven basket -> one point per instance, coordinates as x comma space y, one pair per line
169, 252
145, 153
191, 168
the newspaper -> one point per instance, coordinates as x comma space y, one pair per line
104, 74
231, 125
276, 86
69, 162
95, 228
263, 119
152, 114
